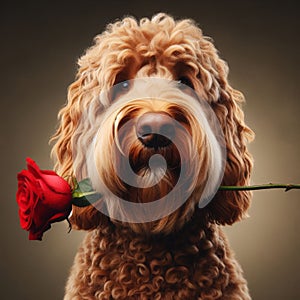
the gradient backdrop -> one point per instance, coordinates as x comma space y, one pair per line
40, 43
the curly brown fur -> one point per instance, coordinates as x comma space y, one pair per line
195, 263
184, 255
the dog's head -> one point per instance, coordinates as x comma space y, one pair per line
151, 89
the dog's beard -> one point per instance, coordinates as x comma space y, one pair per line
161, 179
161, 183
159, 175
142, 175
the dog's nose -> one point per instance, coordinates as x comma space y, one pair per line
155, 129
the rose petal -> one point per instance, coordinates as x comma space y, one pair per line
56, 183
35, 170
50, 177
60, 216
36, 235
57, 201
25, 221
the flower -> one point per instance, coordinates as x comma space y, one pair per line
43, 198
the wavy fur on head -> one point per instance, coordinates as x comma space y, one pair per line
188, 261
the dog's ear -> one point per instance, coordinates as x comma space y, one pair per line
63, 153
230, 206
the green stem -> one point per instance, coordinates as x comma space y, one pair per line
80, 200
287, 187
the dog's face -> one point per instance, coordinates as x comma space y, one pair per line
148, 90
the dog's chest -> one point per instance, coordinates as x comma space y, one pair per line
163, 268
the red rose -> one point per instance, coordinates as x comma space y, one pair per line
43, 198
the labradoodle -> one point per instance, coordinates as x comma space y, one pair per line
153, 121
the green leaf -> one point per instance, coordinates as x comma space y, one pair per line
84, 194
84, 185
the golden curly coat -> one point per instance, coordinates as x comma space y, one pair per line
191, 259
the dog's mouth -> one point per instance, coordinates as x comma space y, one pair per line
144, 157
155, 145
154, 140
158, 168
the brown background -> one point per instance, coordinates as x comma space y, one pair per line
40, 42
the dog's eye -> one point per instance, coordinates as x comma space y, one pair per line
120, 88
125, 85
183, 82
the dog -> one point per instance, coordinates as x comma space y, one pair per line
153, 121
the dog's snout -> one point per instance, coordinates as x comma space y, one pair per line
155, 129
